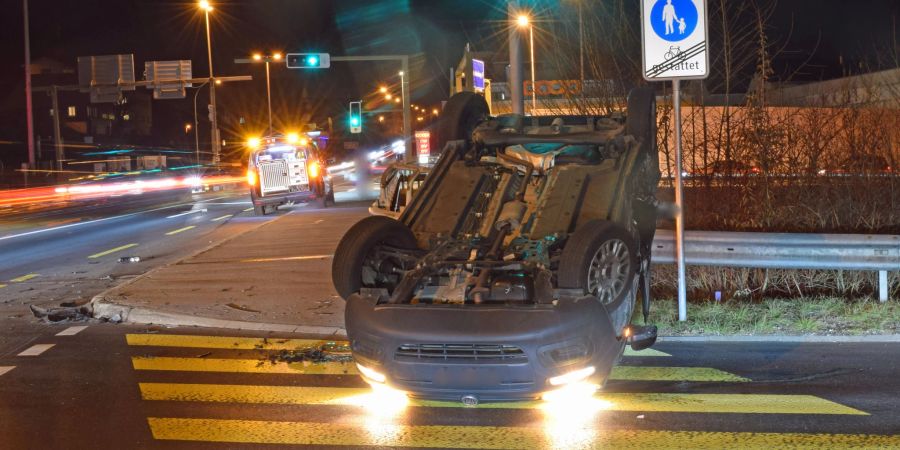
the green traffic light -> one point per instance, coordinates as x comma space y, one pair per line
354, 121
312, 60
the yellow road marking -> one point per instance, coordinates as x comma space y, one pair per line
385, 433
112, 250
644, 402
644, 352
700, 374
236, 343
629, 373
2, 286
240, 366
221, 218
181, 230
24, 278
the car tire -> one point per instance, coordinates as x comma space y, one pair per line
259, 210
460, 116
600, 258
356, 246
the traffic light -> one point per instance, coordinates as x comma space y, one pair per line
212, 112
308, 60
356, 117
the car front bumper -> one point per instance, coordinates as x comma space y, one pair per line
490, 353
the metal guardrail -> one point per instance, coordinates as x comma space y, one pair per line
879, 253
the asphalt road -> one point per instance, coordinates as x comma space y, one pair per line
94, 385
118, 386
70, 253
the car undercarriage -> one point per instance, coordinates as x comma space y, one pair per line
529, 234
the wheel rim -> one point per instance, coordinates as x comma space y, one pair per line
608, 271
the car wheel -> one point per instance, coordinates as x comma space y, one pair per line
355, 263
601, 259
259, 210
459, 118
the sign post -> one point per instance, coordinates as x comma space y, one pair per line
673, 46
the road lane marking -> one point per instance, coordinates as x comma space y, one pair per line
181, 230
193, 211
288, 258
619, 373
235, 343
239, 366
6, 369
24, 278
2, 286
318, 221
221, 218
696, 374
72, 331
112, 250
644, 402
36, 350
387, 433
29, 233
248, 209
644, 352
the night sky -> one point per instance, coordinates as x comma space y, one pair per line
435, 31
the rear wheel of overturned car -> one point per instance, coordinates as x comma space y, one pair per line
601, 259
357, 262
459, 118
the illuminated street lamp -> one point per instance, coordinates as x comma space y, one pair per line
383, 90
388, 96
434, 111
524, 21
205, 6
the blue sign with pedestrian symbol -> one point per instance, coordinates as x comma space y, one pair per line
673, 20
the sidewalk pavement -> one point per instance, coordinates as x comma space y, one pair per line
276, 277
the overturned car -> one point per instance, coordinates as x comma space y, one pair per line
514, 270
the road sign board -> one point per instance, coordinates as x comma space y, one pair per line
159, 72
105, 77
673, 37
478, 75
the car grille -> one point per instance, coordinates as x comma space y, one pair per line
461, 353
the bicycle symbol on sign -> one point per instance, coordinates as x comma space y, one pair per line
674, 52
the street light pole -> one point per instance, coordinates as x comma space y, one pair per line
197, 124
533, 86
269, 96
515, 62
407, 121
29, 118
212, 87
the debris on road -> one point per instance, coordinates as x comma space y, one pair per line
241, 308
54, 314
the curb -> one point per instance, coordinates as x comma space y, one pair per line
783, 338
104, 309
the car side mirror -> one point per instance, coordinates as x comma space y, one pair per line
641, 336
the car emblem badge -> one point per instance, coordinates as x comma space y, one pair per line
469, 400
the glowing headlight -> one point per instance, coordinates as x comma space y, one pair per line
370, 374
572, 377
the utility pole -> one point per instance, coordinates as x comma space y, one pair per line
29, 118
516, 89
57, 135
212, 97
